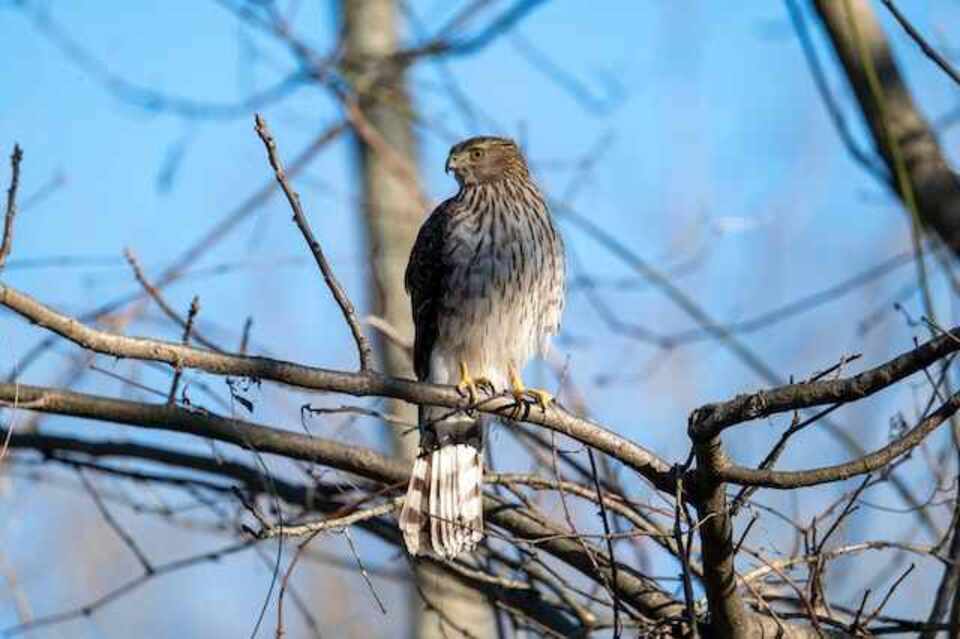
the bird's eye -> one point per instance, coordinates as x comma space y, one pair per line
476, 154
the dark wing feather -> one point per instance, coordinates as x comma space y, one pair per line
424, 281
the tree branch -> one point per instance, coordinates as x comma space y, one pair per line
928, 50
201, 423
728, 615
637, 591
709, 420
11, 210
899, 130
860, 466
655, 469
365, 353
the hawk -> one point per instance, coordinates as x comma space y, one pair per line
486, 282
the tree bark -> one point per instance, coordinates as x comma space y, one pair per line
392, 212
897, 125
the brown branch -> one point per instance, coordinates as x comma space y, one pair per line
900, 131
314, 497
709, 420
555, 418
67, 449
202, 423
728, 615
638, 592
11, 211
860, 466
161, 302
185, 340
331, 523
365, 353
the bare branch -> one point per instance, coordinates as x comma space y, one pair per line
11, 210
656, 470
205, 424
346, 306
930, 52
860, 466
127, 539
728, 615
185, 340
709, 420
637, 592
157, 297
333, 523
904, 138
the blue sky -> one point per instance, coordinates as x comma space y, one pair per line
717, 162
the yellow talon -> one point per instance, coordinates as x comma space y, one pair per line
522, 393
542, 397
468, 385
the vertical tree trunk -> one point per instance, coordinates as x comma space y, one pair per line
393, 212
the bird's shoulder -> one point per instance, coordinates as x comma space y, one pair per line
426, 256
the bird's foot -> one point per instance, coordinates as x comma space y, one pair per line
522, 394
540, 396
469, 386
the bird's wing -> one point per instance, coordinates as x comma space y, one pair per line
424, 280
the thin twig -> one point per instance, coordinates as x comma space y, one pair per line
11, 211
245, 336
178, 371
930, 52
889, 594
124, 536
365, 353
363, 570
286, 580
162, 303
606, 530
310, 528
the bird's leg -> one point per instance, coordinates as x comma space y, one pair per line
521, 392
468, 385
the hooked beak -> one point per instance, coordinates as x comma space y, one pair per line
451, 164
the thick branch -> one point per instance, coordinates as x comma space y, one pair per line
898, 127
640, 593
728, 615
359, 384
174, 418
316, 497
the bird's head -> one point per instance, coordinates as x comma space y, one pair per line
483, 160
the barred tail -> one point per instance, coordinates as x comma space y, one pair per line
443, 512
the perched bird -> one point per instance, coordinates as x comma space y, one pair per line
486, 281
